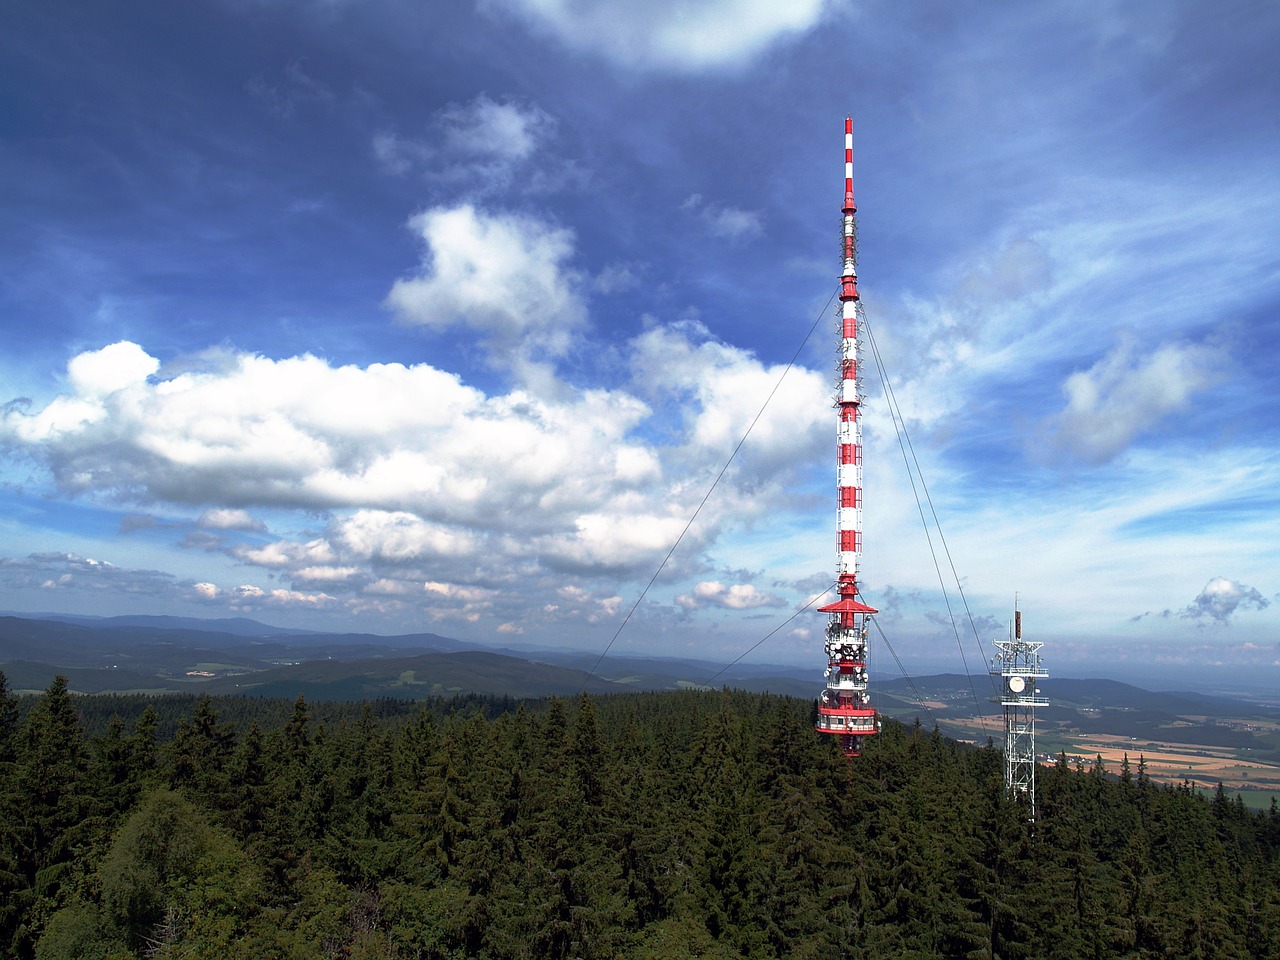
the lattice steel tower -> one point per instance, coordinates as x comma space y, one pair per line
1019, 669
844, 709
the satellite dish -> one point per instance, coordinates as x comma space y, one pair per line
1017, 684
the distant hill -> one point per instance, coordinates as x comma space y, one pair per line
427, 675
237, 655
1068, 697
235, 626
31, 677
121, 654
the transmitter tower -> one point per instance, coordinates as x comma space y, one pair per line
1018, 666
844, 708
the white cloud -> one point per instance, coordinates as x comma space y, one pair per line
398, 536
670, 35
479, 148
506, 276
248, 597
1061, 275
325, 574
485, 127
453, 591
110, 375
578, 603
726, 222
419, 479
283, 555
1221, 598
96, 579
113, 368
617, 278
229, 519
451, 601
620, 541
723, 388
1142, 533
288, 598
737, 596
72, 572
1123, 395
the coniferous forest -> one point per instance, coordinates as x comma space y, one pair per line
650, 825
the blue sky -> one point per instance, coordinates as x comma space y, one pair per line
403, 317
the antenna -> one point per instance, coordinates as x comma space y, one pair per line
844, 708
1019, 668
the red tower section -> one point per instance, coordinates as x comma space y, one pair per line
844, 709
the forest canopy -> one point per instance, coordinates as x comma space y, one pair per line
648, 825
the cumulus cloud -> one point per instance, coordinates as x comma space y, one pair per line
506, 276
579, 603
669, 35
721, 388
73, 574
1125, 394
69, 571
247, 597
1221, 599
116, 367
452, 601
284, 554
426, 492
396, 536
736, 596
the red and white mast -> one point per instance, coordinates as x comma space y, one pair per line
844, 709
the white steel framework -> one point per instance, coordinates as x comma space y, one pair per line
1019, 668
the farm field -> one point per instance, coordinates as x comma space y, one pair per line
1172, 762
1178, 737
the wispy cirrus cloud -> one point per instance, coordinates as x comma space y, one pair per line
1123, 395
479, 148
287, 93
724, 221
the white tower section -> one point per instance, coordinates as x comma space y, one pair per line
844, 708
1019, 669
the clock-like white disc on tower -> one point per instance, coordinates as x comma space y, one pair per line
1017, 684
